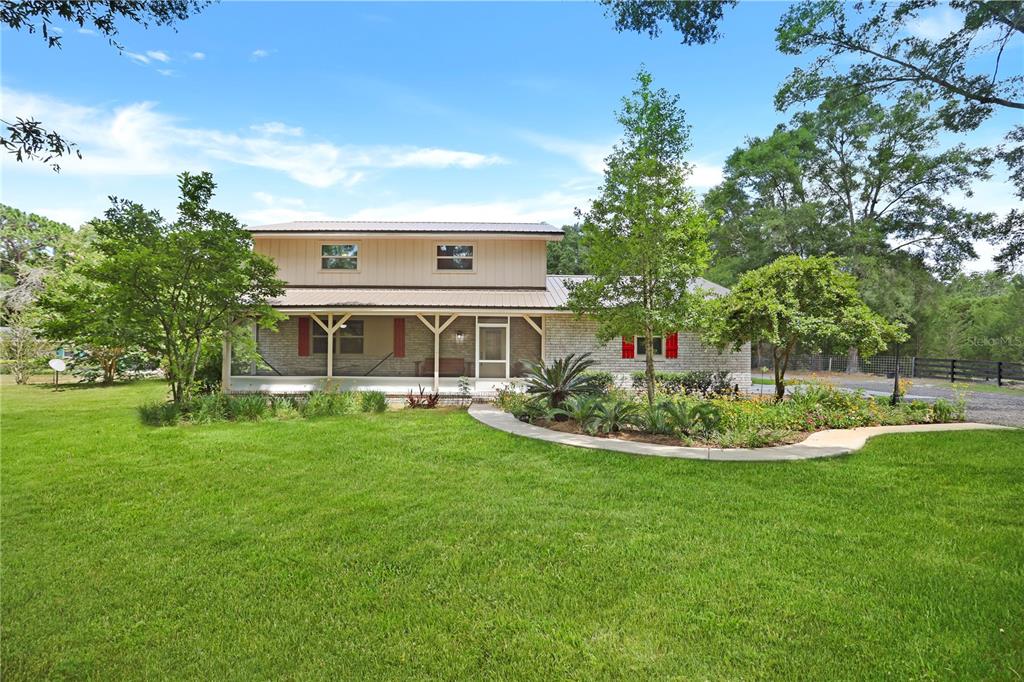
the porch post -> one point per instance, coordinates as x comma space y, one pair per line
225, 366
539, 330
330, 347
437, 352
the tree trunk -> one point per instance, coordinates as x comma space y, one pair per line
649, 357
852, 361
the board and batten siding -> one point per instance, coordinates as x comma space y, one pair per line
410, 262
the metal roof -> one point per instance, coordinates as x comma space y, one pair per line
403, 227
552, 297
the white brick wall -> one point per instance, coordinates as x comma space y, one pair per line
565, 334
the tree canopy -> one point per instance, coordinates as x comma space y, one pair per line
645, 236
810, 302
178, 284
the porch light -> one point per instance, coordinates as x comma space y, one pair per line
460, 336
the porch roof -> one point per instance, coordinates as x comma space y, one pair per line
400, 227
551, 298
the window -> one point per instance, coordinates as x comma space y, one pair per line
641, 346
348, 339
339, 256
454, 256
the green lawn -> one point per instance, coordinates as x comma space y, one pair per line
421, 544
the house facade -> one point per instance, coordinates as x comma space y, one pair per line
398, 305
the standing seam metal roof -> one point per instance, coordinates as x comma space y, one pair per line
397, 226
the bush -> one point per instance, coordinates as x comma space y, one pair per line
206, 409
600, 381
160, 414
284, 407
373, 401
249, 408
327, 404
704, 384
615, 414
424, 400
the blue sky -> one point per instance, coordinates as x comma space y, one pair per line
461, 111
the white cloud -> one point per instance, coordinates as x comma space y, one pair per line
279, 210
276, 128
198, 56
589, 155
935, 24
705, 175
159, 56
259, 54
165, 72
87, 31
69, 216
553, 207
137, 139
135, 56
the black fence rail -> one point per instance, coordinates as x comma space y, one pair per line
950, 369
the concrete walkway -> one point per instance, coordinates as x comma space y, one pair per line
820, 444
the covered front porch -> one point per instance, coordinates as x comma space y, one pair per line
394, 352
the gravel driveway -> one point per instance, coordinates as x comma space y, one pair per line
989, 408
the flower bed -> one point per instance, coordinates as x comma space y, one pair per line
728, 420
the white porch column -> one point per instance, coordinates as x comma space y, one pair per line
330, 346
437, 352
225, 366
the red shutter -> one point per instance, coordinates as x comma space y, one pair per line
303, 336
399, 337
672, 345
627, 347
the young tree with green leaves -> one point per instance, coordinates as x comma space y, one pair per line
794, 301
179, 284
645, 236
76, 309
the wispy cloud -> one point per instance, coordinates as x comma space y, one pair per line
276, 128
158, 56
165, 72
275, 209
86, 31
136, 57
138, 139
591, 155
259, 54
554, 207
198, 56
935, 24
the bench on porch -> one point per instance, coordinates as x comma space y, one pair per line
447, 367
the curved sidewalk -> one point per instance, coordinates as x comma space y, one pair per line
829, 443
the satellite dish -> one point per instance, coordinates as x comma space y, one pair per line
58, 365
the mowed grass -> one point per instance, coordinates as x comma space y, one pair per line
421, 544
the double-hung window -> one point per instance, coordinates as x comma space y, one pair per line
455, 257
641, 346
339, 256
348, 339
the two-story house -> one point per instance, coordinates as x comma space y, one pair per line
397, 305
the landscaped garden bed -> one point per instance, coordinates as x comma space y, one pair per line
705, 409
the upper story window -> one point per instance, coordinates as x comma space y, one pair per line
339, 256
641, 346
455, 257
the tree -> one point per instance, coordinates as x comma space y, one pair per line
854, 178
76, 309
805, 301
696, 20
21, 346
961, 70
27, 139
645, 236
566, 257
180, 284
26, 239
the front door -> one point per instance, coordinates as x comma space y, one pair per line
492, 351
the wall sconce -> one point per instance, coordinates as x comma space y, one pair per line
460, 336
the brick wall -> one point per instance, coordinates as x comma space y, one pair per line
565, 334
